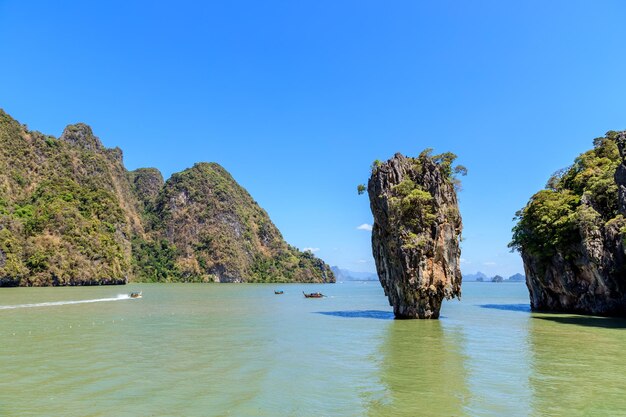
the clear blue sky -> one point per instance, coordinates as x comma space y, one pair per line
297, 98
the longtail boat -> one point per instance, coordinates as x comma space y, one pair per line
313, 295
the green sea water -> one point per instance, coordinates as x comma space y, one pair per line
240, 350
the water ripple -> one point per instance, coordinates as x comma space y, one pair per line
524, 308
361, 314
588, 321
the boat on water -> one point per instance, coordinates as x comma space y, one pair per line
135, 294
313, 295
278, 292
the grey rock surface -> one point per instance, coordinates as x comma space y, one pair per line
416, 234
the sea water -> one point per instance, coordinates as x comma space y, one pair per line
241, 350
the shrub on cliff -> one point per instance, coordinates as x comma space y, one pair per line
411, 205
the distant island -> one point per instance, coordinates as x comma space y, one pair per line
347, 275
481, 277
71, 214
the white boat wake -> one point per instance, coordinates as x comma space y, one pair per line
120, 297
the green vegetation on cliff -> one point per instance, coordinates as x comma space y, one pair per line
71, 214
580, 198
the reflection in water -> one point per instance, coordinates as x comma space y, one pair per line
496, 346
422, 371
578, 369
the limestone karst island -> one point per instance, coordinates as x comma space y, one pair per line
180, 233
417, 232
572, 234
73, 215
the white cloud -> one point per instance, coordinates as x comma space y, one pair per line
361, 261
465, 261
489, 263
365, 226
313, 250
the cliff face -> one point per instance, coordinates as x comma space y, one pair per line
147, 184
571, 235
223, 235
416, 233
71, 214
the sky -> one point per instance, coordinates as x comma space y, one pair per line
297, 98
